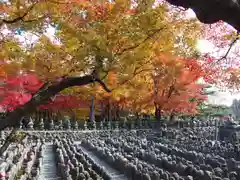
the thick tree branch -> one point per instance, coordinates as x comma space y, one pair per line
19, 18
135, 73
44, 95
229, 48
211, 11
149, 36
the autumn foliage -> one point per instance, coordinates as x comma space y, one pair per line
17, 90
144, 53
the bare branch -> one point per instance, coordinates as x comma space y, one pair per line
229, 49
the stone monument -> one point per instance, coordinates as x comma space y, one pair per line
2, 136
21, 125
60, 125
101, 125
94, 125
68, 124
140, 124
131, 124
109, 124
30, 124
76, 125
41, 124
85, 126
51, 125
116, 125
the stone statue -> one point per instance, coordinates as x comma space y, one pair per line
21, 125
60, 126
30, 124
94, 125
85, 126
140, 124
76, 125
41, 124
131, 124
2, 135
68, 124
51, 125
101, 125
109, 125
116, 125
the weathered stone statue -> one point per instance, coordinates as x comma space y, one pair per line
21, 125
94, 125
140, 124
101, 125
2, 135
41, 124
132, 124
76, 125
51, 125
85, 127
116, 125
109, 125
30, 124
68, 124
60, 125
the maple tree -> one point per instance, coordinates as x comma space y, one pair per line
222, 35
17, 90
110, 39
170, 87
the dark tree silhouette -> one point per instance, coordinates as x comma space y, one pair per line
211, 11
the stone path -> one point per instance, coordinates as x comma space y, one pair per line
49, 168
115, 175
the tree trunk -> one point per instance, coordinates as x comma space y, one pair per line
118, 113
109, 112
43, 95
211, 11
172, 117
158, 115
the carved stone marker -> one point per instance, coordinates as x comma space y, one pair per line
85, 127
41, 124
94, 125
60, 126
101, 125
21, 125
30, 124
68, 124
140, 124
116, 125
51, 125
2, 135
76, 125
109, 125
131, 124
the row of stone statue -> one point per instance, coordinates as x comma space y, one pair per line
105, 125
77, 125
